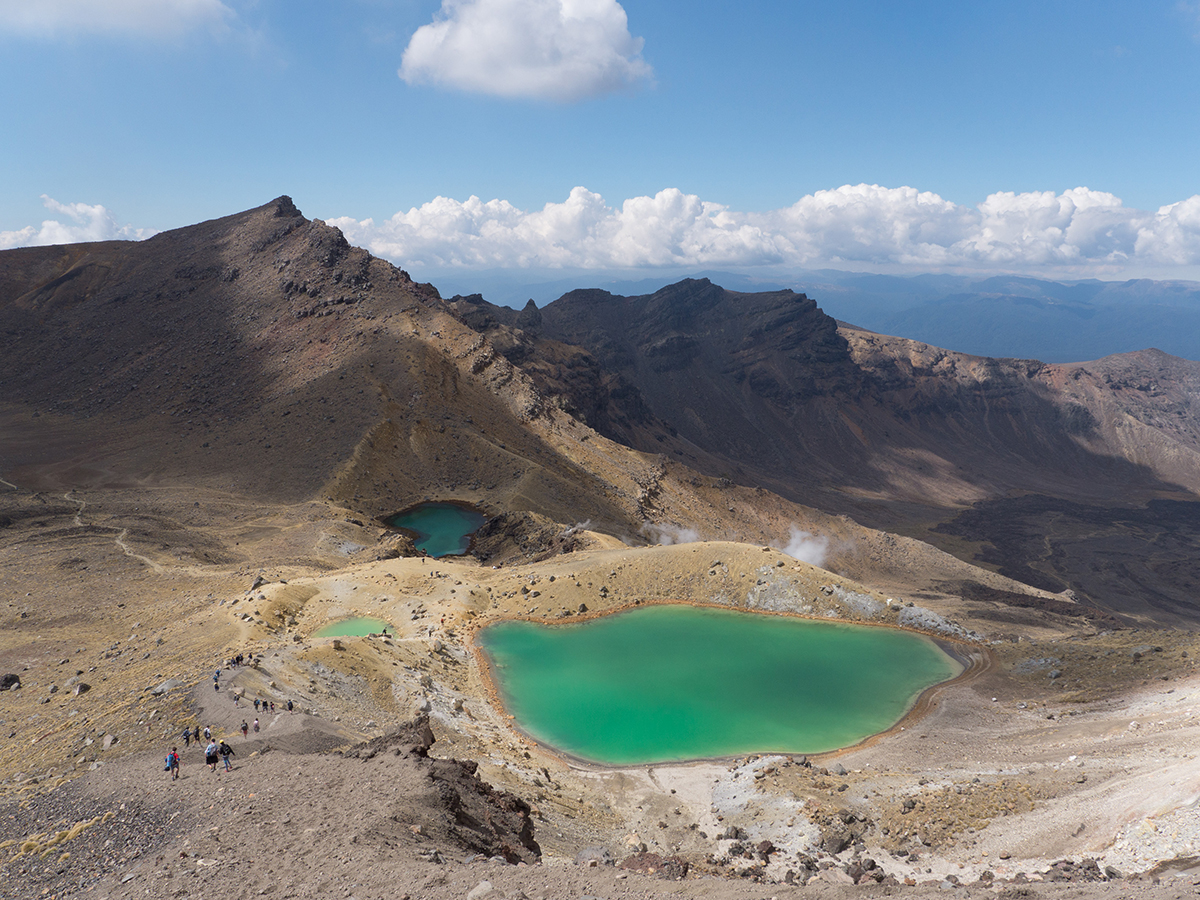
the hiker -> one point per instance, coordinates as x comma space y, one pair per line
256, 726
226, 751
256, 704
187, 737
245, 729
289, 705
272, 706
207, 733
210, 755
173, 763
196, 736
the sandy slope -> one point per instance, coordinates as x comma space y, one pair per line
166, 615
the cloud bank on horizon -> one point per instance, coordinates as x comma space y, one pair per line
1077, 233
546, 49
53, 18
84, 223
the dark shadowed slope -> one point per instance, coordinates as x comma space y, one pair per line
766, 389
260, 353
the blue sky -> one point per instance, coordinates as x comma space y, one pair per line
762, 135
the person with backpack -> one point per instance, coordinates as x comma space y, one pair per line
173, 763
226, 751
245, 729
210, 755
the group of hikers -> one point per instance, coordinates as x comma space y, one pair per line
234, 662
216, 750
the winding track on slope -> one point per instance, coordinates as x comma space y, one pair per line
119, 540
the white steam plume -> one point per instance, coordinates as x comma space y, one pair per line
806, 547
668, 534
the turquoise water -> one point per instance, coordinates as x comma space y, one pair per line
678, 682
441, 529
356, 627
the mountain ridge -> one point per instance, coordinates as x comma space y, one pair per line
261, 353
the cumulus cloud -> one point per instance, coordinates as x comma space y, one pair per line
1077, 232
51, 18
546, 49
806, 547
84, 223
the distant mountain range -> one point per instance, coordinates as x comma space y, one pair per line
999, 316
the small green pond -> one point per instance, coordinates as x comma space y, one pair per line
355, 627
679, 682
440, 529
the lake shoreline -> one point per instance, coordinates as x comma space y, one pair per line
973, 660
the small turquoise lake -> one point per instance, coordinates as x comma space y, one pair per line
676, 682
359, 626
440, 529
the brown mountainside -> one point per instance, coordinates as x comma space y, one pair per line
768, 390
260, 354
261, 361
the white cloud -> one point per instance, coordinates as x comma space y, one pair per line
52, 18
1079, 232
547, 49
86, 223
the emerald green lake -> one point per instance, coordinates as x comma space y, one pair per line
440, 529
679, 682
356, 627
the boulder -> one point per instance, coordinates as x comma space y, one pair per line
484, 891
591, 857
834, 842
834, 875
169, 685
10, 682
82, 688
673, 867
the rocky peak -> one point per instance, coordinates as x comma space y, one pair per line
285, 208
